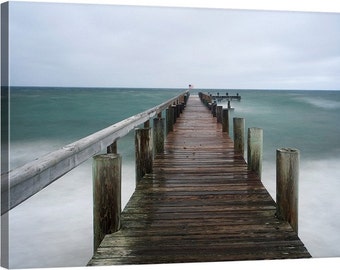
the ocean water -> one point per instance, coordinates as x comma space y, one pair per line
56, 223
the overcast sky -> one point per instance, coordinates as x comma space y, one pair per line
117, 46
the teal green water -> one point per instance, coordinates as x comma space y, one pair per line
54, 117
307, 120
72, 113
58, 220
303, 119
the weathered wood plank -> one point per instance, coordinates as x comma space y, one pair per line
200, 204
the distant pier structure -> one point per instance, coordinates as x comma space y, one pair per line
226, 96
211, 99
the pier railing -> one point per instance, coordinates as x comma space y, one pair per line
21, 183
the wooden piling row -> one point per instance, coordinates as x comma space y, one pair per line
255, 135
206, 99
287, 161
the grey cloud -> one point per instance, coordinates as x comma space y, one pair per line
101, 45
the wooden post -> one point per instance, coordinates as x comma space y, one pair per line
174, 110
219, 114
169, 120
186, 97
112, 148
158, 135
239, 127
143, 151
255, 142
225, 120
181, 107
147, 124
213, 109
287, 176
178, 110
106, 196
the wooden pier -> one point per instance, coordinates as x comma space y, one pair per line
225, 97
201, 203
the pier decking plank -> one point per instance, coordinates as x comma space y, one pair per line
200, 204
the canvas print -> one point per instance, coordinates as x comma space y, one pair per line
152, 135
